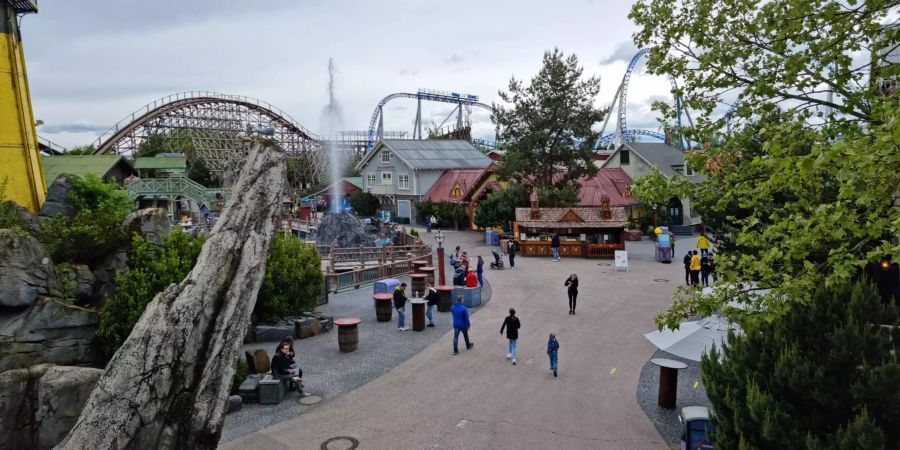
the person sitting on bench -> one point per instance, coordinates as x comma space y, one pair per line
284, 367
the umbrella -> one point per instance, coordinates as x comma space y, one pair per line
694, 338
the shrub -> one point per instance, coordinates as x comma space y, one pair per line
823, 376
413, 232
241, 371
151, 268
293, 279
364, 203
95, 230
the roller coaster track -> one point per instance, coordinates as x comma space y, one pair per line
217, 123
376, 123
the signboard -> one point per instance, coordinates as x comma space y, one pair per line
621, 258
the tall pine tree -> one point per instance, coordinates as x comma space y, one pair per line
823, 376
546, 128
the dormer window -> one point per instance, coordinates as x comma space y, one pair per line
386, 157
688, 171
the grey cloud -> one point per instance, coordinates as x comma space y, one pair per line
624, 51
455, 58
72, 127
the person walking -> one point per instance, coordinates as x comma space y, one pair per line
695, 268
461, 324
432, 296
400, 306
479, 270
428, 224
511, 248
712, 268
511, 324
704, 270
553, 353
687, 268
572, 283
554, 243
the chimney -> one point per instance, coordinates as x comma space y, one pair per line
605, 211
535, 211
668, 137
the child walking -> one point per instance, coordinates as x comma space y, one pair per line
553, 352
512, 325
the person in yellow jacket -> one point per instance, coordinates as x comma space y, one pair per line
695, 268
703, 244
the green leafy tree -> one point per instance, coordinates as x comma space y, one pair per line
151, 268
82, 150
364, 203
293, 279
95, 229
823, 376
803, 190
546, 129
655, 190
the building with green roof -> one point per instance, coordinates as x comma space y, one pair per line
107, 167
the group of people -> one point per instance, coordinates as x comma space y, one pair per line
400, 299
463, 274
699, 264
284, 367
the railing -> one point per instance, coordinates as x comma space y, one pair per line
353, 279
603, 250
177, 187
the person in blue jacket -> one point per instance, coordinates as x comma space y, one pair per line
553, 353
461, 324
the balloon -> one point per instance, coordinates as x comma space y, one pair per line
657, 230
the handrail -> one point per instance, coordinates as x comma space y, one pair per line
178, 96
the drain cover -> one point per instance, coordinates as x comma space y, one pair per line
603, 264
310, 400
340, 443
660, 280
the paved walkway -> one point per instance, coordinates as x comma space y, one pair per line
479, 400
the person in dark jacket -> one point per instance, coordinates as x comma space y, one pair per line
400, 306
554, 243
512, 247
572, 283
479, 270
459, 278
511, 324
283, 365
687, 268
553, 353
704, 269
432, 296
461, 324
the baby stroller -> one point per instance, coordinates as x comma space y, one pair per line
498, 262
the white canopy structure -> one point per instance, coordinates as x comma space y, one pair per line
694, 338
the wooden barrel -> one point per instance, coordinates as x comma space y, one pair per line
445, 302
429, 273
418, 283
348, 333
348, 337
384, 307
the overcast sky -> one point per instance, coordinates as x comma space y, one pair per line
92, 63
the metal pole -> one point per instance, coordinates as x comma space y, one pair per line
440, 257
418, 119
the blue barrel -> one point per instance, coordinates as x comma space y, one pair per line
385, 286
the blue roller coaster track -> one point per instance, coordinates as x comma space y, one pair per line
376, 124
622, 133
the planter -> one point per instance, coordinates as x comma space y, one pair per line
633, 235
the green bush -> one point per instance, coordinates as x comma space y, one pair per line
364, 203
151, 268
95, 230
823, 376
293, 279
241, 371
413, 232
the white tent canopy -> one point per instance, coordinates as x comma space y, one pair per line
694, 338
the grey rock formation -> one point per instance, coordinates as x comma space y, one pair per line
167, 385
28, 221
84, 284
235, 403
270, 333
152, 223
48, 332
39, 404
105, 276
345, 228
26, 273
58, 197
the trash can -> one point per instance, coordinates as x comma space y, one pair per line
492, 237
385, 286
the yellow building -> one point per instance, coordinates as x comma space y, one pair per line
20, 163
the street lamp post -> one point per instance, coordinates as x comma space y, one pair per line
439, 238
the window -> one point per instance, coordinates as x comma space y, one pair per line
403, 181
624, 157
386, 157
688, 172
370, 179
387, 178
